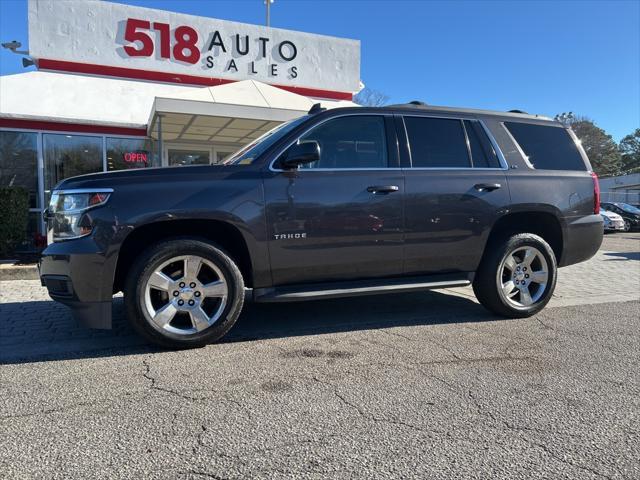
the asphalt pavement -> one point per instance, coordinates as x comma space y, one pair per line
420, 385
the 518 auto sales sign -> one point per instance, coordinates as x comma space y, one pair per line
105, 38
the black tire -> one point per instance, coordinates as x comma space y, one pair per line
153, 258
627, 225
486, 281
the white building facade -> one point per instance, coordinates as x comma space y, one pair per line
122, 87
623, 188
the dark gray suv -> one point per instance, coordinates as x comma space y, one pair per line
350, 201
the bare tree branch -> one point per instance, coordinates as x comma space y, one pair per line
368, 97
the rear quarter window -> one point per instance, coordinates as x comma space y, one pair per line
547, 147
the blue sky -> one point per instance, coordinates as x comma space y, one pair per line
540, 56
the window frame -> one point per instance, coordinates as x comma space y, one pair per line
402, 131
391, 140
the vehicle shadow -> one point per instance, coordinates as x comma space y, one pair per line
46, 331
276, 320
623, 255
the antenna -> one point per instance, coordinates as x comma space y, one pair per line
268, 4
317, 108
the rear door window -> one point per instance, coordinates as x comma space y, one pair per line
546, 147
483, 155
437, 143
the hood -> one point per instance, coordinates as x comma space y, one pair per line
154, 174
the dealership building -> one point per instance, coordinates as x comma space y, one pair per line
120, 87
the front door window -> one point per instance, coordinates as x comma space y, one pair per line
357, 141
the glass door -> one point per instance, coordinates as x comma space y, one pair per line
69, 155
222, 154
180, 155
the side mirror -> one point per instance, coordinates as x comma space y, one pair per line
300, 154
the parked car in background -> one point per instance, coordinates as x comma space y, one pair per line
630, 214
612, 221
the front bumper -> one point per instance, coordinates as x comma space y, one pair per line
78, 275
614, 226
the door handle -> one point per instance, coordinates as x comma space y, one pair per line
486, 187
382, 189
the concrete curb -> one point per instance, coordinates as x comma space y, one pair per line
18, 272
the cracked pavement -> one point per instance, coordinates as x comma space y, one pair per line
420, 385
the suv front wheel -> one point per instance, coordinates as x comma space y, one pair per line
183, 293
516, 277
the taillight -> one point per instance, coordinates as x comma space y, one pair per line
596, 193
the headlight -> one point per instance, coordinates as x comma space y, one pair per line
66, 215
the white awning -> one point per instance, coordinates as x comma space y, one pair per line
81, 99
232, 113
91, 100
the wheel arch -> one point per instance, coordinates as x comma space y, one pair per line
544, 223
223, 233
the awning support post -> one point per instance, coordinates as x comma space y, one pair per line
160, 139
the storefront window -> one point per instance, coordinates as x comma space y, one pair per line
123, 153
221, 156
69, 155
19, 162
189, 157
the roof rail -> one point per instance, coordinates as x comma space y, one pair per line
518, 111
412, 103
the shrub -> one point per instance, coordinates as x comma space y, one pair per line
14, 215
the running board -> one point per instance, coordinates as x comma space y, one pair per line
319, 291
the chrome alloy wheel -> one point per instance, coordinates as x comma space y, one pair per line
185, 295
522, 277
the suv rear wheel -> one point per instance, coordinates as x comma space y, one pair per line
517, 277
184, 293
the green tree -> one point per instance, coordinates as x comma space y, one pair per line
630, 151
601, 149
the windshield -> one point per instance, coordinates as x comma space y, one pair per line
628, 208
247, 154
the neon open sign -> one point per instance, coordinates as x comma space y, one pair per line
136, 157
